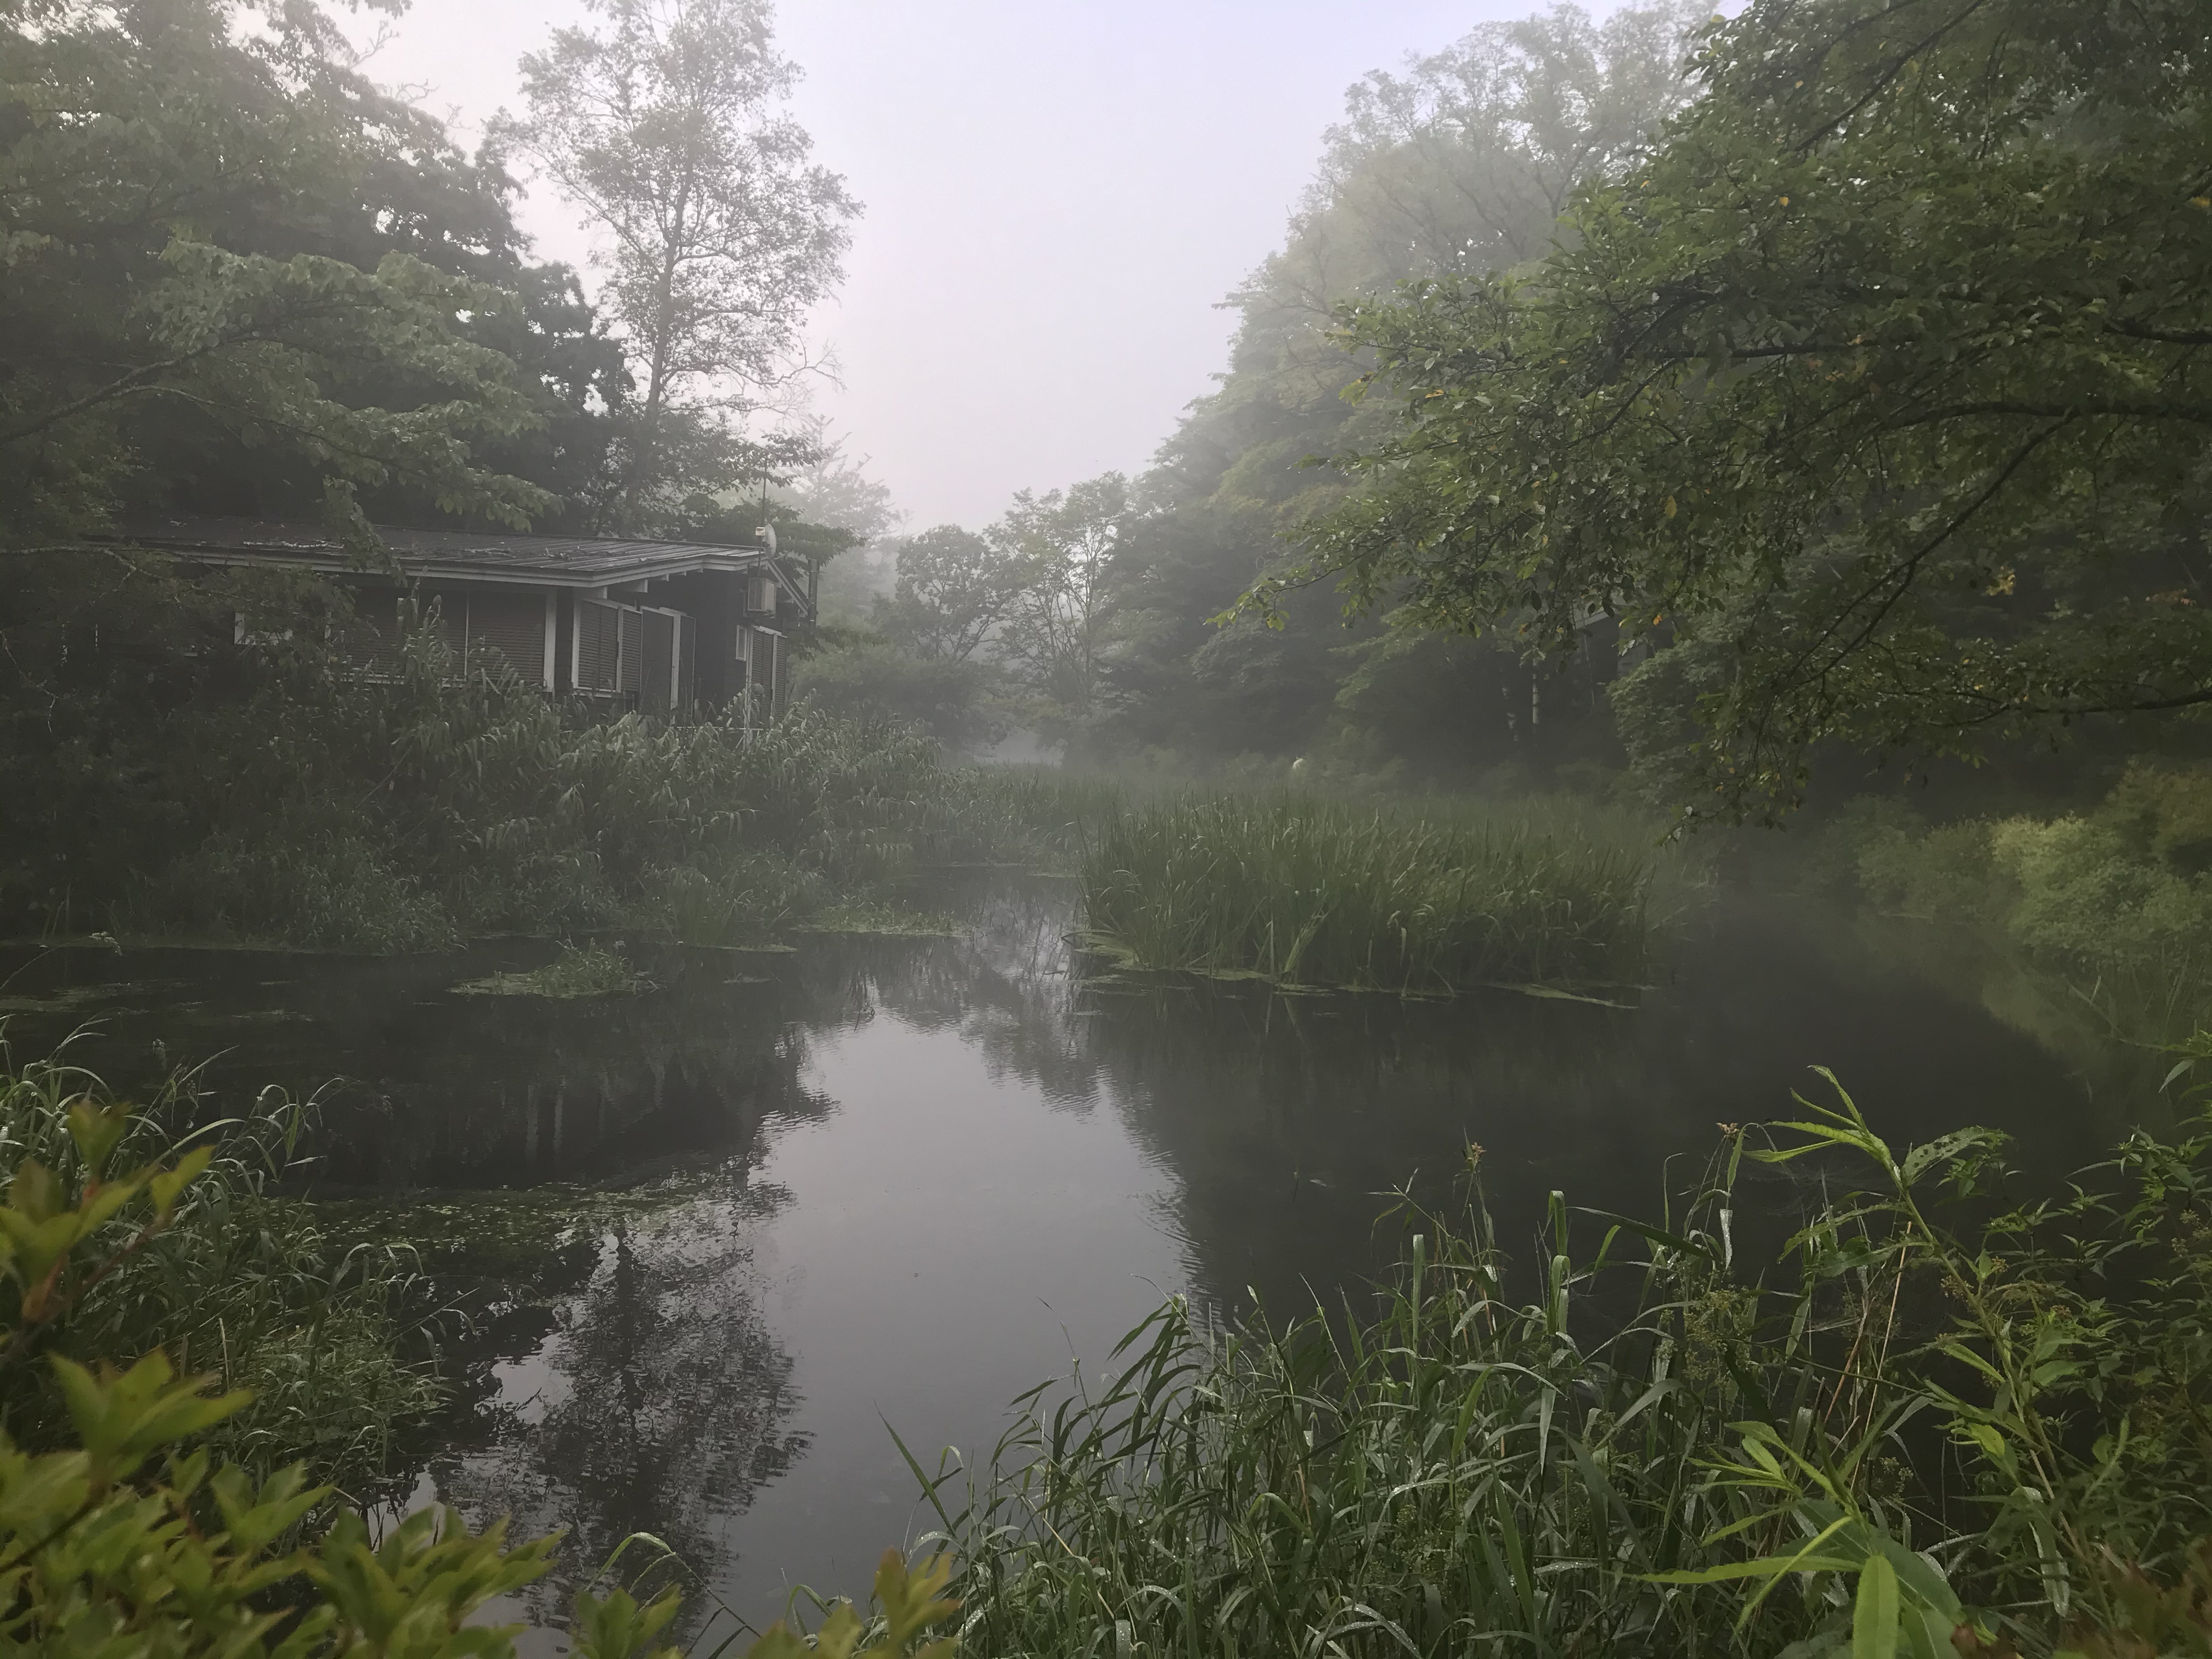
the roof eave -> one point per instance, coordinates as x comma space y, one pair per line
419, 566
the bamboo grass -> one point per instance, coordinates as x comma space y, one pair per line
1898, 1439
1298, 891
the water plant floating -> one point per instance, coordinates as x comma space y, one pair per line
591, 970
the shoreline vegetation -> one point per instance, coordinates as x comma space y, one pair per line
338, 1340
2104, 911
505, 814
1940, 1420
454, 802
1417, 899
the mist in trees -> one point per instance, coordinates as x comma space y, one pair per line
1461, 162
242, 280
1600, 413
663, 125
1871, 406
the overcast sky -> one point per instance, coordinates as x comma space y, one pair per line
1058, 195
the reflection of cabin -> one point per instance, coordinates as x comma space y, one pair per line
648, 625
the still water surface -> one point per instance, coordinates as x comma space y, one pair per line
902, 1180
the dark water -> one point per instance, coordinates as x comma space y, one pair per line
906, 1179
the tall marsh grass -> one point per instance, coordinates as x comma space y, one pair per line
336, 1338
1300, 891
1918, 1433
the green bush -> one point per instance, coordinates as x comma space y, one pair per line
329, 1339
2118, 899
871, 679
315, 808
331, 892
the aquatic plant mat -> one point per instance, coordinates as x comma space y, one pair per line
884, 919
1926, 1434
1303, 892
589, 970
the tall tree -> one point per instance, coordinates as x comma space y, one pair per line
954, 589
183, 197
665, 123
1878, 406
1460, 162
1057, 634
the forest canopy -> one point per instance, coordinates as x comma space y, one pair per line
243, 279
1873, 406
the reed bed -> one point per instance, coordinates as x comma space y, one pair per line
338, 1340
1305, 892
1911, 1439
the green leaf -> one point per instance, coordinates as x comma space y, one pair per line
97, 1130
123, 1418
167, 1186
618, 1627
36, 1193
1875, 1613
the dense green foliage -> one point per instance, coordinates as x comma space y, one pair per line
334, 1343
239, 277
1299, 891
1459, 163
1934, 1430
1872, 405
864, 676
242, 279
284, 799
2114, 901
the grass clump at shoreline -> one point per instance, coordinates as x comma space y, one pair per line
337, 1340
587, 970
1316, 893
1927, 1435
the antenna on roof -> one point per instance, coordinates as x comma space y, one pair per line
765, 532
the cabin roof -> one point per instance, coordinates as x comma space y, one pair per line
461, 555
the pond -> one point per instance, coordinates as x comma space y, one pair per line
896, 1181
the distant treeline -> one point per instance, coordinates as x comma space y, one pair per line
1742, 400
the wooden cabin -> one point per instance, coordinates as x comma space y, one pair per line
656, 626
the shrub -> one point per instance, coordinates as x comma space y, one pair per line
405, 815
331, 892
2118, 898
871, 679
